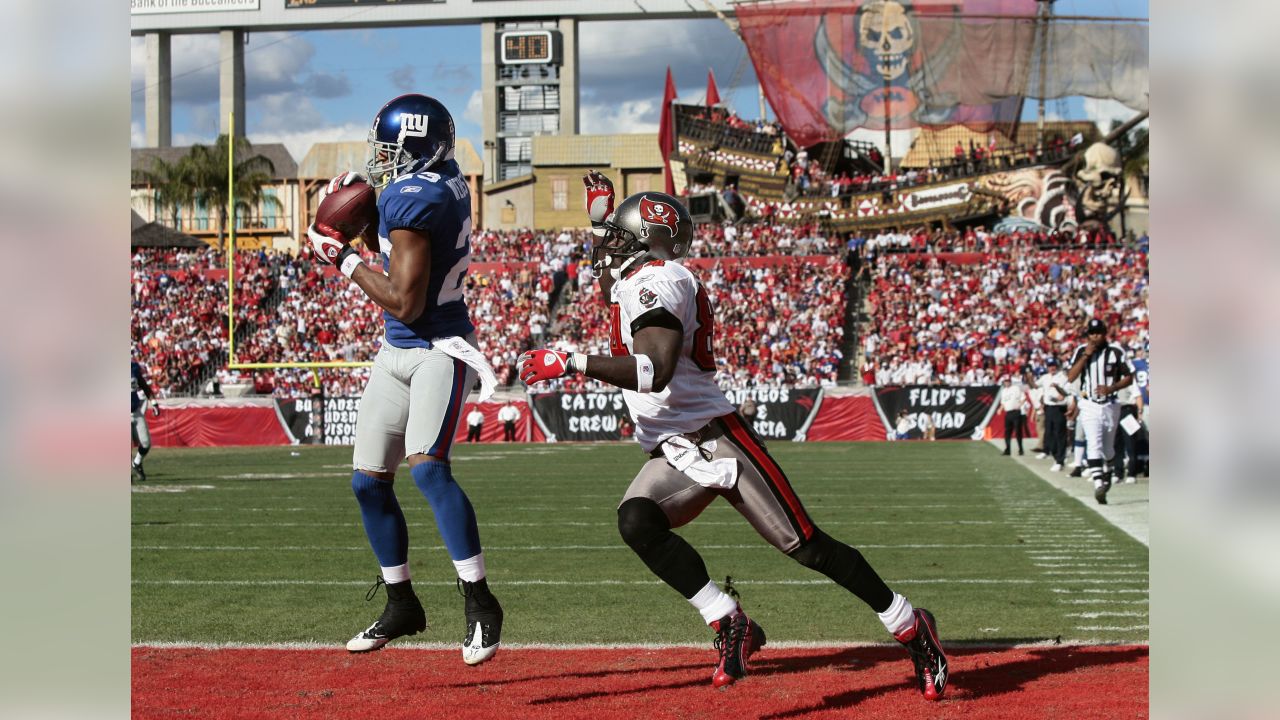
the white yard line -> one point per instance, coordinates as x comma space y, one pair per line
1127, 506
736, 581
508, 647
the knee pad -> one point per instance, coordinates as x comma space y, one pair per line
816, 553
642, 523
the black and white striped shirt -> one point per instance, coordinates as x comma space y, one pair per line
1107, 366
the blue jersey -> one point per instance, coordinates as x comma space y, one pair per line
438, 205
136, 382
1141, 377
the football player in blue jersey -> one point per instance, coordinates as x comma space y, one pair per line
425, 368
138, 407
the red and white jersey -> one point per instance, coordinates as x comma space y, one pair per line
692, 398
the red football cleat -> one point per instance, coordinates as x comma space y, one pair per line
737, 637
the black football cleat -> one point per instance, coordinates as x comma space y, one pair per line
138, 473
1100, 489
484, 622
737, 638
403, 615
921, 641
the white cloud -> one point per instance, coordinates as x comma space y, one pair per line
274, 63
633, 116
137, 138
626, 60
299, 142
475, 108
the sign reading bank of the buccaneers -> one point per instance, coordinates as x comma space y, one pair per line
781, 413
956, 412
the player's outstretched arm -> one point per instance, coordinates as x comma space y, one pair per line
403, 290
648, 370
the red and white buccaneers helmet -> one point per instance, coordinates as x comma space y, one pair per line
649, 225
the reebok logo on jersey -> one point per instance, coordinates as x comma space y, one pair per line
411, 189
648, 298
653, 212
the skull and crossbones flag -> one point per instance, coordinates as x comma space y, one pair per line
829, 67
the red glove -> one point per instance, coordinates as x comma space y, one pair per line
538, 365
332, 247
599, 196
327, 243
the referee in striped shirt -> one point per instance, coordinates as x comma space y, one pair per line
1103, 369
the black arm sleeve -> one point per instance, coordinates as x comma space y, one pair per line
657, 317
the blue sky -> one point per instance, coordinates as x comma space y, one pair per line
313, 86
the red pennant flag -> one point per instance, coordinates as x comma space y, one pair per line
666, 134
713, 93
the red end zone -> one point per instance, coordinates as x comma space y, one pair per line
866, 682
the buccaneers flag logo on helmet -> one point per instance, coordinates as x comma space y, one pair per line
654, 212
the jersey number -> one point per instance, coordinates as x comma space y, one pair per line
703, 355
451, 288
616, 347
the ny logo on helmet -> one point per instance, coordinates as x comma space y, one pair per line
654, 212
412, 125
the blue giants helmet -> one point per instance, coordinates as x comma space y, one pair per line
409, 134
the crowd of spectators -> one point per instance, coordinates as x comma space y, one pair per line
972, 324
178, 318
757, 239
1012, 300
775, 324
975, 239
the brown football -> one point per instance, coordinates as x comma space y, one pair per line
350, 210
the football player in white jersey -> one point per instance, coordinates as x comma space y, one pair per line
699, 447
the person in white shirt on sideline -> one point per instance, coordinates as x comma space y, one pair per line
475, 423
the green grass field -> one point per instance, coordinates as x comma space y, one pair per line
265, 546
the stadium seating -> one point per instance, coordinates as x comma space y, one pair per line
974, 322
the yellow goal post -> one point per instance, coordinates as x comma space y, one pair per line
232, 364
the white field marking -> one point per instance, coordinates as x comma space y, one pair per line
169, 488
1102, 591
566, 523
1094, 581
1112, 628
1085, 565
536, 508
508, 547
737, 581
1041, 556
1101, 601
1107, 613
509, 647
1096, 572
276, 476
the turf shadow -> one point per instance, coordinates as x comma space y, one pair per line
585, 675
991, 679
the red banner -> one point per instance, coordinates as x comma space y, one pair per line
832, 66
215, 426
847, 418
491, 429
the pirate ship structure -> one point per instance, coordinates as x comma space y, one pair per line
955, 75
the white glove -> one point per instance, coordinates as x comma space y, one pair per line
688, 458
343, 180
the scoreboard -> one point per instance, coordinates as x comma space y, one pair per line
529, 47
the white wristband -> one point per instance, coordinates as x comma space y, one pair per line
350, 263
644, 374
578, 362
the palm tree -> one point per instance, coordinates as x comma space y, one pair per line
171, 184
208, 168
